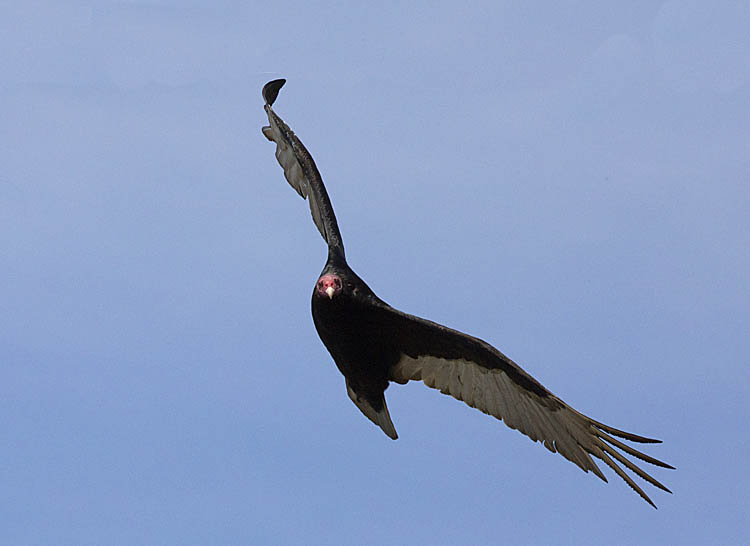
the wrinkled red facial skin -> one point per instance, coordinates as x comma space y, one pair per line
328, 281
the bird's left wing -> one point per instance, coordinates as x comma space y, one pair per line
300, 169
473, 371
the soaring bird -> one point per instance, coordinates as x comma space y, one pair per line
373, 344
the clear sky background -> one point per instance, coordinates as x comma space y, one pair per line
570, 182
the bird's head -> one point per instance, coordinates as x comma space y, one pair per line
329, 286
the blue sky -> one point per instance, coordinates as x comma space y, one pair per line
570, 183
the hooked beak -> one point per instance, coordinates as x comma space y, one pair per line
330, 292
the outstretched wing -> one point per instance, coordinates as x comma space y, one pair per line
300, 170
473, 371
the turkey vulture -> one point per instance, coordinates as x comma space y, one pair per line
373, 344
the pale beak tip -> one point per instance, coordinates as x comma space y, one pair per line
330, 292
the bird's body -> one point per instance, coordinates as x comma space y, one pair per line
374, 344
349, 328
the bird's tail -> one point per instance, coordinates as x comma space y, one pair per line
380, 417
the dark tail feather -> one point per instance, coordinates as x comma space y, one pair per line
380, 417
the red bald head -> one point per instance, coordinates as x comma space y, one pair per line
329, 286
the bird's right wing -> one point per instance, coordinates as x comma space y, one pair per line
473, 371
300, 170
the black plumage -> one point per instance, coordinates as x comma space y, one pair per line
374, 344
